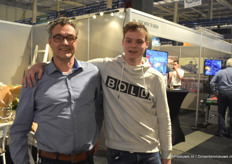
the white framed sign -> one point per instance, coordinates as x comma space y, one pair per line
191, 3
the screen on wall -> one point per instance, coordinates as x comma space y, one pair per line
211, 67
158, 60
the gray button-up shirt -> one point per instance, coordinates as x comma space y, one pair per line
222, 80
67, 108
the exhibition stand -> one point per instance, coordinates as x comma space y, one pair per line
101, 37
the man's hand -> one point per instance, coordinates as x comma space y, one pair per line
175, 68
30, 74
166, 161
95, 148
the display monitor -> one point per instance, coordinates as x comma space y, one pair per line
211, 67
158, 60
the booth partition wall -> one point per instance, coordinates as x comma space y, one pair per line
100, 36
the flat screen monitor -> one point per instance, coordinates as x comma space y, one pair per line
158, 60
211, 67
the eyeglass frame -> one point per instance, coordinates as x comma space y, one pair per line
63, 37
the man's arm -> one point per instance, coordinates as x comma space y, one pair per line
30, 74
213, 84
38, 68
179, 74
164, 121
169, 77
21, 126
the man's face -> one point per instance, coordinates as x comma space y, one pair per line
134, 44
175, 65
63, 49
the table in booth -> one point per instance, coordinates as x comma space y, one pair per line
175, 98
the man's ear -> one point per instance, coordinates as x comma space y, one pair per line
147, 44
49, 41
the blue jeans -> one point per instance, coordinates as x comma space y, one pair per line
42, 160
224, 101
124, 157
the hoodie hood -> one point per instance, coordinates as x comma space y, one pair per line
133, 70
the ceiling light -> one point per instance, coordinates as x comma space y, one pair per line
121, 15
112, 14
162, 2
168, 1
94, 16
101, 13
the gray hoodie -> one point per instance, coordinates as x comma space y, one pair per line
136, 115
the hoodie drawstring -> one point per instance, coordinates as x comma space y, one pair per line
144, 82
121, 78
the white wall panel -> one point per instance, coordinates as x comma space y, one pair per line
15, 46
98, 38
106, 36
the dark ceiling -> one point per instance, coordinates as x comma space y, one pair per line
210, 12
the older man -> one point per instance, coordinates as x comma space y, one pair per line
66, 104
223, 82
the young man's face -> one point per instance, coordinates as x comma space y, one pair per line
175, 65
63, 49
134, 44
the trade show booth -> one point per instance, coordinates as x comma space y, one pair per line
101, 36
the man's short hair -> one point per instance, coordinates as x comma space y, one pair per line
229, 62
176, 61
135, 26
61, 21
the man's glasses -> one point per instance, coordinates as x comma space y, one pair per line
60, 38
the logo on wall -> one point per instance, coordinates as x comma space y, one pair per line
191, 3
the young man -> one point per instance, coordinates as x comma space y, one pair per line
176, 75
137, 122
66, 104
223, 82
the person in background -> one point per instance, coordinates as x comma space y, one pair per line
137, 121
222, 83
65, 104
175, 76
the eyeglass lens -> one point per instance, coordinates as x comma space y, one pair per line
60, 38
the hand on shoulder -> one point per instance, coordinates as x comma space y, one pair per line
30, 74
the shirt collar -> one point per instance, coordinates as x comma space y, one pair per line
52, 68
